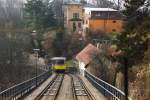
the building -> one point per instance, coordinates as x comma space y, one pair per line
102, 19
85, 56
73, 17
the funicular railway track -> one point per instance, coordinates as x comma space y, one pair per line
51, 91
79, 89
66, 87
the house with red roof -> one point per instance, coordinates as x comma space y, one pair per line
85, 56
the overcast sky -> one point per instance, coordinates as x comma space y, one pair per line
115, 1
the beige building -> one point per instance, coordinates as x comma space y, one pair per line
73, 17
78, 18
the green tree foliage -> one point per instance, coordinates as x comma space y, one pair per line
39, 14
133, 41
11, 14
39, 17
65, 44
59, 43
98, 35
132, 17
13, 47
76, 44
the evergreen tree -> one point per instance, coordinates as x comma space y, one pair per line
59, 43
39, 17
39, 14
133, 41
131, 14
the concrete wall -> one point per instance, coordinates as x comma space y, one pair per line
81, 67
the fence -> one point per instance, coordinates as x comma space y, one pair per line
17, 91
109, 91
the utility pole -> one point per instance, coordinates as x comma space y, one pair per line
126, 78
36, 52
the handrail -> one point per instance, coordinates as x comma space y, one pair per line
109, 91
19, 90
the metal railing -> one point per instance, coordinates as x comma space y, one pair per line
19, 90
109, 91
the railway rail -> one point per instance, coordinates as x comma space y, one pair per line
51, 91
80, 91
66, 87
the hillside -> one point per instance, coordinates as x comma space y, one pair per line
11, 75
139, 81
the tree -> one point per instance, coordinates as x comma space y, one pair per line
104, 3
145, 8
96, 35
76, 44
59, 46
131, 14
65, 44
58, 11
133, 42
39, 15
11, 14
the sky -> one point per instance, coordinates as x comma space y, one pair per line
116, 1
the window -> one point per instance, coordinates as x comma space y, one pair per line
114, 21
75, 15
60, 62
79, 25
82, 10
113, 30
74, 27
86, 22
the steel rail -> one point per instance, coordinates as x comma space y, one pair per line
109, 91
90, 95
51, 85
42, 93
84, 87
20, 90
56, 93
73, 89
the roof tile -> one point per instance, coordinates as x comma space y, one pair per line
87, 54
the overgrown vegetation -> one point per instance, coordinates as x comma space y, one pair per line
65, 44
15, 45
11, 75
133, 42
11, 16
39, 15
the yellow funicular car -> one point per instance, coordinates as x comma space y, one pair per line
58, 64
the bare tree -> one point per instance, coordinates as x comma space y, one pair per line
145, 8
11, 12
103, 3
58, 11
